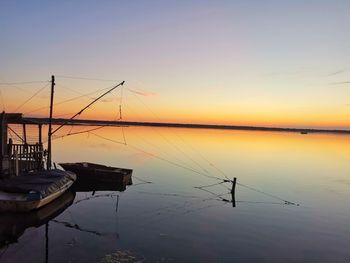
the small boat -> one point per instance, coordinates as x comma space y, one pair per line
303, 132
32, 190
92, 172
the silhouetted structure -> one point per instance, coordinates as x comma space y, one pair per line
19, 151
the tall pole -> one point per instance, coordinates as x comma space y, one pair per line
50, 124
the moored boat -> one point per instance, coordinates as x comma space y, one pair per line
99, 173
33, 190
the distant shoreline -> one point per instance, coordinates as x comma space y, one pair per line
59, 121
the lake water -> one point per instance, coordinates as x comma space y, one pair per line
291, 199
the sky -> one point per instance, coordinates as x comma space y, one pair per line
264, 63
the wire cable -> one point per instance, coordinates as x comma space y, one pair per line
84, 78
31, 97
25, 82
157, 157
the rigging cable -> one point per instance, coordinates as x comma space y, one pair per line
158, 157
87, 106
198, 172
69, 100
84, 78
176, 147
267, 194
25, 82
31, 97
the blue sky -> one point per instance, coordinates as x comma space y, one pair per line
236, 62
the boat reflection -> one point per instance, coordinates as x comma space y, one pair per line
13, 225
86, 185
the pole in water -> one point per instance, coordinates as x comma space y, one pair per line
47, 242
50, 124
233, 190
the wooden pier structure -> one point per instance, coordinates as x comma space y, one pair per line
19, 151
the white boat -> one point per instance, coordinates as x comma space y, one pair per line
33, 190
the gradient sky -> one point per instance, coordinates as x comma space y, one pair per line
272, 63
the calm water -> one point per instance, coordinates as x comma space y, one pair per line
170, 220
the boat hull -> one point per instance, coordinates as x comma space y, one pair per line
13, 202
89, 172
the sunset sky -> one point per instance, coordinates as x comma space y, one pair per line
266, 63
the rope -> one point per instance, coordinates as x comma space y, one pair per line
25, 82
74, 91
69, 100
87, 106
31, 97
176, 147
157, 157
270, 195
75, 133
146, 182
84, 78
16, 134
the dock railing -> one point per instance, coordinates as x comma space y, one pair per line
26, 157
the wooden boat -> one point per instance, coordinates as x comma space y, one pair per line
99, 173
33, 190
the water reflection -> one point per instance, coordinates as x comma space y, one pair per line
188, 224
14, 225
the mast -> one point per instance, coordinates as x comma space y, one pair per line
50, 124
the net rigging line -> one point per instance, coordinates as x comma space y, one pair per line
31, 97
87, 106
268, 194
176, 147
73, 90
24, 82
157, 157
100, 127
68, 100
86, 78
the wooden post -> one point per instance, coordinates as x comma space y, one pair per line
233, 190
2, 143
50, 124
40, 134
24, 133
16, 163
4, 156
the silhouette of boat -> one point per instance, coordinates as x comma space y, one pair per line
13, 225
99, 173
33, 190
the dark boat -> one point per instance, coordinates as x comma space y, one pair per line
98, 173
